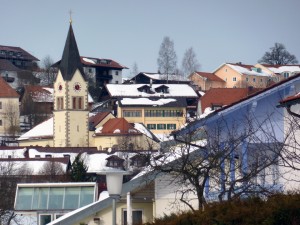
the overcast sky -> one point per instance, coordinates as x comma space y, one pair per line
131, 31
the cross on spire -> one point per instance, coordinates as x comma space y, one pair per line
70, 12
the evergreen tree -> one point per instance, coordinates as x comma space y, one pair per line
78, 172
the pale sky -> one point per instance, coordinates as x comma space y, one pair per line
131, 31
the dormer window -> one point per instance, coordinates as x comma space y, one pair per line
139, 160
145, 88
162, 89
115, 162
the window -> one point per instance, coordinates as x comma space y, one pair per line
254, 80
117, 73
261, 80
132, 113
161, 126
286, 74
49, 198
117, 82
163, 113
151, 126
0, 122
247, 79
0, 105
234, 78
137, 216
77, 103
45, 219
171, 126
60, 103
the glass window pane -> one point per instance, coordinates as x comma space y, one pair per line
24, 198
71, 198
43, 198
56, 198
86, 196
137, 217
35, 202
44, 219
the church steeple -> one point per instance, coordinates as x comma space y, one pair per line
70, 60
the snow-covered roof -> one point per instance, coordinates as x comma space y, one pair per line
246, 71
131, 90
14, 153
42, 95
44, 129
146, 101
282, 69
157, 76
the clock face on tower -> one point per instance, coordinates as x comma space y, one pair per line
77, 87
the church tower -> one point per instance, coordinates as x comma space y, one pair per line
70, 111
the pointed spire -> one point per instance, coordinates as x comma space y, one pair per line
70, 60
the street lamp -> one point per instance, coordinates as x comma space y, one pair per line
114, 181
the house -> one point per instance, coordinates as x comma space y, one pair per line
41, 203
161, 107
157, 78
16, 64
17, 56
216, 98
279, 72
238, 75
259, 128
119, 134
205, 81
105, 132
149, 195
9, 112
291, 105
102, 71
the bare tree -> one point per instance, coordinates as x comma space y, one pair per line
11, 113
190, 63
167, 58
278, 55
223, 161
52, 170
50, 72
8, 183
134, 70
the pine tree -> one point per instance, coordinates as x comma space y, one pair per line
78, 172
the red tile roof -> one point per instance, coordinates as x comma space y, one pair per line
210, 76
23, 54
117, 126
292, 98
242, 65
7, 91
224, 96
7, 65
96, 119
